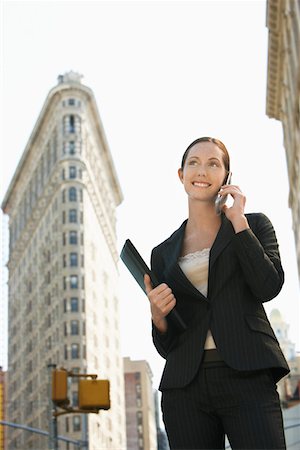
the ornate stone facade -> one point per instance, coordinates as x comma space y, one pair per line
63, 304
283, 92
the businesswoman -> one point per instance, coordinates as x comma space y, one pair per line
217, 270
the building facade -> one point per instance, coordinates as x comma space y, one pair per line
162, 439
140, 409
2, 407
63, 304
283, 92
288, 387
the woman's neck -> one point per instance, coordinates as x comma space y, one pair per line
202, 216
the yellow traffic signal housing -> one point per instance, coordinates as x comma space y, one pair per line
60, 387
93, 394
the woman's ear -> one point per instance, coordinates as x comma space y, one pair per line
180, 174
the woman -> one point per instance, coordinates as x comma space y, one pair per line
218, 269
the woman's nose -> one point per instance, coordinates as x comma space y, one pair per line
202, 170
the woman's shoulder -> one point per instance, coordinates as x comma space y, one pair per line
259, 222
169, 240
257, 218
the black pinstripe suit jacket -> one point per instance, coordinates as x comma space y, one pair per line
244, 271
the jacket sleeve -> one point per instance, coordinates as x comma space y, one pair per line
258, 254
163, 342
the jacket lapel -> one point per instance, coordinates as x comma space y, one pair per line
173, 252
224, 236
173, 271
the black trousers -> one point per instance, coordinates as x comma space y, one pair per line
222, 401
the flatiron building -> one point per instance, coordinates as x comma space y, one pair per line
63, 302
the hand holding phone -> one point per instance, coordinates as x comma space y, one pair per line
221, 199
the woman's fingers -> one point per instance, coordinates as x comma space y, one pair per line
148, 284
161, 298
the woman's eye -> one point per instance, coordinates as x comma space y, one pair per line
213, 164
192, 163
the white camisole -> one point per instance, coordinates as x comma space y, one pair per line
195, 268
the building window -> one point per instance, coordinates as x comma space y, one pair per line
64, 217
74, 398
72, 194
65, 329
73, 237
63, 195
73, 259
67, 424
66, 352
65, 305
64, 283
71, 101
74, 282
72, 150
73, 216
75, 351
64, 261
76, 423
72, 124
74, 327
74, 304
72, 172
64, 238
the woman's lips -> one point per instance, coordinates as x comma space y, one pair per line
201, 184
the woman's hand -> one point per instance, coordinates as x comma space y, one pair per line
162, 301
236, 212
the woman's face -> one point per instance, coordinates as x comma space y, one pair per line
204, 172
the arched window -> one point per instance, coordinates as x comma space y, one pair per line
73, 215
73, 237
72, 172
76, 423
72, 194
73, 259
74, 304
75, 351
71, 124
72, 150
74, 327
74, 282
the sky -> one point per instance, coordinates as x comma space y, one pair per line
163, 73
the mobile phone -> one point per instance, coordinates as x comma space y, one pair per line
221, 199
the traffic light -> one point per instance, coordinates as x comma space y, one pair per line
93, 394
60, 387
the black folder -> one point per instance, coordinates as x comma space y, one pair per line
138, 268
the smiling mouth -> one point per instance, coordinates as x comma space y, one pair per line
201, 184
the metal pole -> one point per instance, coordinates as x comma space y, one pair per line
53, 441
38, 431
85, 438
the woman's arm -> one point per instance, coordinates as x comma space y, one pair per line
162, 301
258, 254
